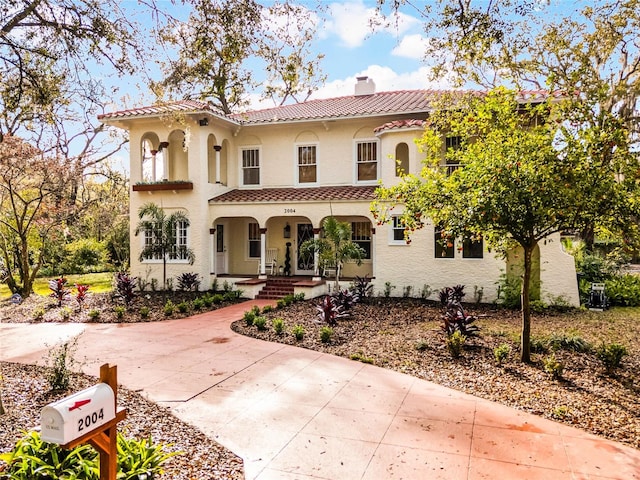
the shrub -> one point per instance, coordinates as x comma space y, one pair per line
119, 311
553, 367
426, 292
207, 300
169, 308
85, 255
232, 295
360, 357
421, 345
623, 290
144, 312
183, 307
65, 313
124, 286
387, 289
455, 343
267, 309
326, 333
197, 304
611, 355
218, 298
59, 290
569, 342
538, 345
406, 291
188, 281
94, 314
38, 313
501, 353
33, 459
298, 332
345, 300
248, 317
60, 362
260, 322
278, 325
298, 297
280, 303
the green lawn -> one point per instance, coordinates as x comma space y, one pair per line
99, 283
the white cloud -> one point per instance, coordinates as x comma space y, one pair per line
411, 46
353, 21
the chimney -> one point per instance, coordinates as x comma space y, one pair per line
365, 86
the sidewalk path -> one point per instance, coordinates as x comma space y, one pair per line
292, 413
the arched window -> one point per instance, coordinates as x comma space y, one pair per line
152, 162
402, 159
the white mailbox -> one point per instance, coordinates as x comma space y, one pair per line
78, 414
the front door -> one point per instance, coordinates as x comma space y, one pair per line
221, 250
304, 263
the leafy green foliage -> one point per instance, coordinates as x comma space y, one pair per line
334, 247
611, 355
501, 353
326, 332
249, 316
183, 307
197, 304
119, 311
278, 325
144, 312
94, 314
553, 367
260, 322
623, 290
85, 255
455, 343
60, 362
169, 308
33, 459
298, 332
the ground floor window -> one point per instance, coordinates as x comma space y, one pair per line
472, 248
254, 240
176, 248
361, 235
444, 244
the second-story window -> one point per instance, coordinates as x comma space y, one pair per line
452, 144
307, 164
367, 161
250, 166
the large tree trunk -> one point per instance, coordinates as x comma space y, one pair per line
525, 338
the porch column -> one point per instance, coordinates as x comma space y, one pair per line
212, 251
263, 253
316, 256
217, 148
165, 159
153, 166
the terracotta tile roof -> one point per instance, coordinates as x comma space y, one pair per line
382, 103
298, 194
399, 124
405, 101
162, 109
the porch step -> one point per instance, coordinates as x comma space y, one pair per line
277, 287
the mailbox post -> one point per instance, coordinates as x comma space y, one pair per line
89, 416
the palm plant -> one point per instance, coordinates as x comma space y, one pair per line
163, 230
334, 247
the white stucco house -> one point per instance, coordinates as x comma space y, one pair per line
256, 185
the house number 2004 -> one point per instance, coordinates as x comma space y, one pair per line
289, 210
89, 420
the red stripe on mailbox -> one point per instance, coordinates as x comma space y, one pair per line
79, 403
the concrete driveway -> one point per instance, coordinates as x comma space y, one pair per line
292, 413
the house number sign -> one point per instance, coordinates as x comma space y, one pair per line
289, 210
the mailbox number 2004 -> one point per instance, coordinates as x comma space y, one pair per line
89, 420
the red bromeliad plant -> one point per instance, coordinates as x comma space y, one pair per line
81, 295
59, 289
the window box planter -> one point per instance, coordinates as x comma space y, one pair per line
159, 186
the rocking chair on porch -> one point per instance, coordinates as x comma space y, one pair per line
271, 261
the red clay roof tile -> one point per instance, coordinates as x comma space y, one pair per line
298, 194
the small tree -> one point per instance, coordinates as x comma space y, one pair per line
334, 247
163, 232
517, 182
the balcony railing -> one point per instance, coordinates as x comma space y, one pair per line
163, 185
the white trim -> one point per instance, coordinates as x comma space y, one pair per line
296, 166
355, 160
241, 149
392, 230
